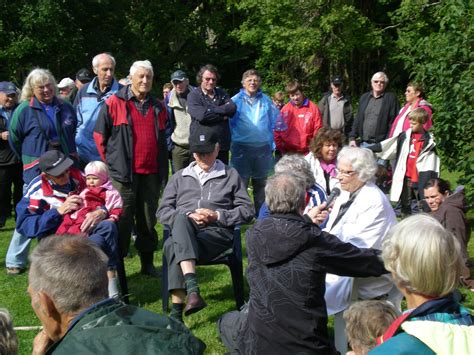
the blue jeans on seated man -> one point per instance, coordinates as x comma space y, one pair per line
105, 235
17, 254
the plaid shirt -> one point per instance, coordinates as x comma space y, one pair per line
143, 106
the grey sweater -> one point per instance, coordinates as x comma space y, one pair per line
223, 191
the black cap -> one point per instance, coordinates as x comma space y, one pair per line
178, 75
337, 80
203, 140
7, 87
54, 163
83, 75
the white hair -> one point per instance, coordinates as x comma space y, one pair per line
36, 77
145, 64
284, 193
380, 73
362, 161
296, 164
98, 58
423, 256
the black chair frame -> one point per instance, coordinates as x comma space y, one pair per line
233, 260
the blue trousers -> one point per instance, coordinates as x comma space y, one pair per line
105, 236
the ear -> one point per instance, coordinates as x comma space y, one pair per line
94, 69
47, 306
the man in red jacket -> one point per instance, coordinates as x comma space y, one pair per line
299, 122
130, 137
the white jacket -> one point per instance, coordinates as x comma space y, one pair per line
365, 225
427, 164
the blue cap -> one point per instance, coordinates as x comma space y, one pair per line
7, 87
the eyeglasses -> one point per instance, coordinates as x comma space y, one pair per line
378, 81
210, 79
345, 173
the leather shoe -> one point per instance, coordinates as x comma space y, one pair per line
194, 304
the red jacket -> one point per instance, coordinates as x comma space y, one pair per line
113, 136
297, 126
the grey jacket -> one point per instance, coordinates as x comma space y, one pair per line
223, 191
347, 112
180, 119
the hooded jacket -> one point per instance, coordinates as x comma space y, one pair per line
288, 260
427, 163
452, 215
111, 327
254, 120
453, 330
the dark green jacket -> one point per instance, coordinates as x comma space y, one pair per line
111, 327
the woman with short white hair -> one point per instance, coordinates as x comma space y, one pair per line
362, 216
425, 261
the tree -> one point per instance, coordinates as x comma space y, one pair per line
435, 44
311, 40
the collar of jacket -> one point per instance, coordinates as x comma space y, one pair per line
217, 172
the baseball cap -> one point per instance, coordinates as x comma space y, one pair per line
178, 75
7, 87
337, 80
83, 75
202, 141
66, 82
54, 162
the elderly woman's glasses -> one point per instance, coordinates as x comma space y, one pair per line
345, 173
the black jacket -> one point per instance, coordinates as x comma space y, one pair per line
388, 112
7, 156
211, 114
288, 261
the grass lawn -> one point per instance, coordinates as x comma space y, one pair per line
215, 282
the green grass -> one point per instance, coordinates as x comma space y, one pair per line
215, 283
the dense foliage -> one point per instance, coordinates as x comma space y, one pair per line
311, 40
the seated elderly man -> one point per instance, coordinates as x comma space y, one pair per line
68, 290
201, 203
288, 260
55, 193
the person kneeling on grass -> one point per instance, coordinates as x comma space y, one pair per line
68, 290
53, 195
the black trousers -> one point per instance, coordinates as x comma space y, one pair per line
10, 175
188, 241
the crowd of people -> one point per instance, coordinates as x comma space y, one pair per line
85, 161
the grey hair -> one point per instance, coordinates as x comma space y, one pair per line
145, 64
251, 72
8, 338
380, 73
362, 160
296, 164
284, 193
36, 77
97, 59
423, 256
71, 270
